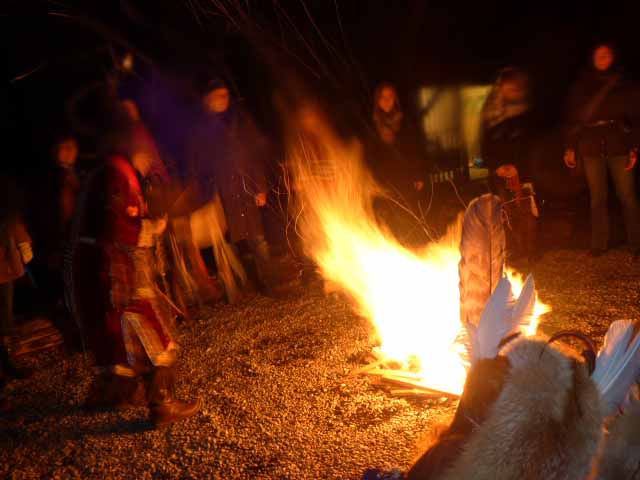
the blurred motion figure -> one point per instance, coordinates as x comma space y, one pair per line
398, 161
507, 136
126, 325
226, 156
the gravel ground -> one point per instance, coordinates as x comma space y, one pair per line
278, 399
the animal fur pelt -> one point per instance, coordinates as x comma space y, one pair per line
482, 251
530, 413
620, 455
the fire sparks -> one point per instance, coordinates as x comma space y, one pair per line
412, 298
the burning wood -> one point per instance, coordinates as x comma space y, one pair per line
389, 371
481, 269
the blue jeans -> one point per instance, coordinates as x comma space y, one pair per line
595, 169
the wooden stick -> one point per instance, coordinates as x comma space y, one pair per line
413, 385
396, 373
368, 368
414, 392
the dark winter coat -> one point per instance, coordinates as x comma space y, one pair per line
227, 155
509, 142
398, 165
614, 126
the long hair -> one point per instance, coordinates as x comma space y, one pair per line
496, 109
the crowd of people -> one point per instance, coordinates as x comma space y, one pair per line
600, 131
121, 261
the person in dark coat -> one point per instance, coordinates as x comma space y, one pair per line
56, 193
66, 184
507, 125
68, 180
507, 137
602, 138
226, 155
398, 161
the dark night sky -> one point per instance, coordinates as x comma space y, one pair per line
405, 41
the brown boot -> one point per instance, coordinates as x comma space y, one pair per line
164, 408
173, 410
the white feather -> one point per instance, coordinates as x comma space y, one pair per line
524, 308
495, 323
501, 317
617, 364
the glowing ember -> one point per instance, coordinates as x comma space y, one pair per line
411, 298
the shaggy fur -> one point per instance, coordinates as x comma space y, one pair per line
482, 387
545, 422
620, 456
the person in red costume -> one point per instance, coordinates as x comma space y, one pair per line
123, 319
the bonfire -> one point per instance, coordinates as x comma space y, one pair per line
412, 298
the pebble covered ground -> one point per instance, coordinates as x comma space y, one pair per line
279, 402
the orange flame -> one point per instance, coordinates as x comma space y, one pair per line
412, 298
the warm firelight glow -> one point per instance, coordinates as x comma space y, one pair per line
517, 282
412, 298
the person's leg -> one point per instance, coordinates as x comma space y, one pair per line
114, 391
513, 216
624, 182
595, 169
9, 369
6, 310
262, 258
530, 234
530, 223
120, 385
521, 230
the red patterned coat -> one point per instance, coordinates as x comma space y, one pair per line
125, 324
